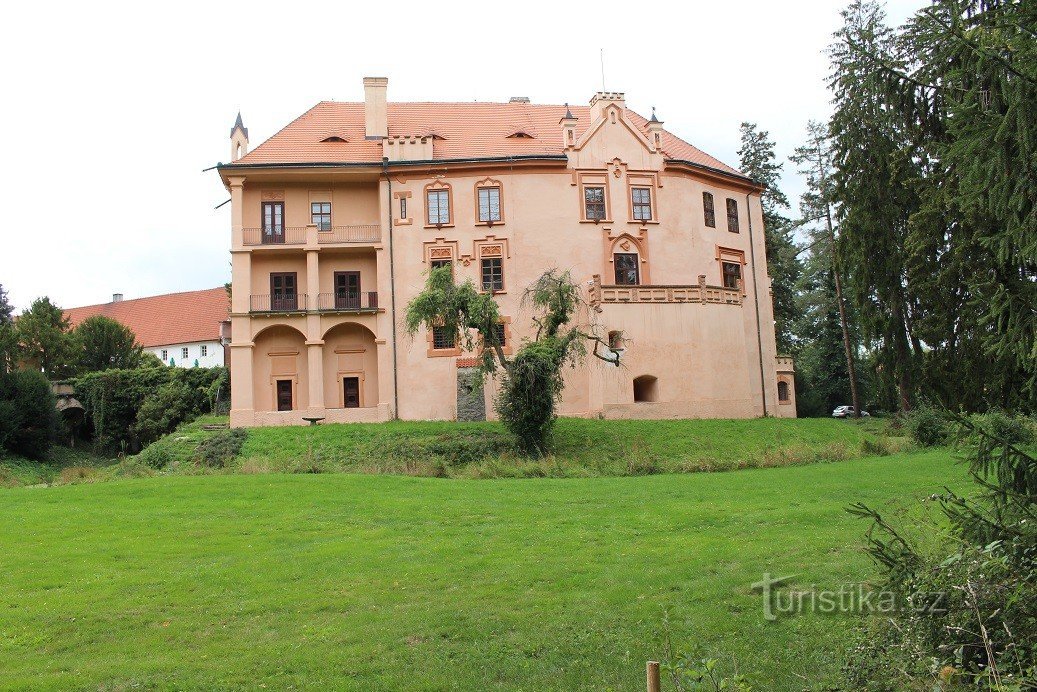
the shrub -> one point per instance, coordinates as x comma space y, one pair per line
28, 417
113, 398
969, 606
163, 410
928, 427
221, 448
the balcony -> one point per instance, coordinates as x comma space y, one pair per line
289, 235
362, 301
362, 233
696, 293
312, 235
283, 304
279, 304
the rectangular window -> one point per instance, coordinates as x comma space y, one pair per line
438, 202
283, 294
165, 356
204, 350
594, 203
403, 207
492, 274
436, 264
732, 215
273, 222
442, 338
627, 273
708, 211
732, 275
500, 334
641, 198
320, 215
489, 204
184, 353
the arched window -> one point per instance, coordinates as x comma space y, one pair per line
783, 390
646, 388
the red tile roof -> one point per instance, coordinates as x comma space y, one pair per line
462, 130
175, 318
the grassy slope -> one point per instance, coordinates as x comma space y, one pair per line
369, 582
582, 447
15, 471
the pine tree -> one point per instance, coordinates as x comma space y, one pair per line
8, 337
874, 192
936, 126
817, 213
759, 162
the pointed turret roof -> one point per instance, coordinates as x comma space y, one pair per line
238, 125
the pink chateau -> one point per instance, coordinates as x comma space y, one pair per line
337, 219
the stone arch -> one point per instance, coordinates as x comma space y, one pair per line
646, 388
350, 351
279, 357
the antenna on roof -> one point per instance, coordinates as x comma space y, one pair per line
602, 57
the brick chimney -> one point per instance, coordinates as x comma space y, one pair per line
376, 114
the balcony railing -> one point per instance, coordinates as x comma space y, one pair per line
697, 293
363, 233
347, 302
362, 301
288, 235
283, 302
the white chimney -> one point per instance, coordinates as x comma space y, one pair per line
116, 297
376, 114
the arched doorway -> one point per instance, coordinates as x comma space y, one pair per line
279, 370
350, 367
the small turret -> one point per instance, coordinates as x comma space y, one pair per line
238, 139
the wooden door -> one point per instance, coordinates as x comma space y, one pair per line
347, 290
284, 395
351, 392
273, 222
283, 289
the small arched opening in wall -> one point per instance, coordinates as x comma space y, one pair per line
646, 388
783, 391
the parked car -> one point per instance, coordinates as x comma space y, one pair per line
847, 412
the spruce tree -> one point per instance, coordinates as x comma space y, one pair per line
817, 213
759, 162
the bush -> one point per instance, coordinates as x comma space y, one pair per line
28, 417
221, 448
968, 613
114, 398
163, 410
928, 427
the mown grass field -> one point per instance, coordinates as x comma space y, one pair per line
393, 582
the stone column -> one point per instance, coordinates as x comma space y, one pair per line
242, 406
315, 368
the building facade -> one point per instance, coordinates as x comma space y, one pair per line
185, 330
338, 218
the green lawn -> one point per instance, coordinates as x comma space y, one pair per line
394, 582
582, 447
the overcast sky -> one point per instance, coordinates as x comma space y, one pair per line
112, 111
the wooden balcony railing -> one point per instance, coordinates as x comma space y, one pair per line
288, 235
284, 302
362, 233
347, 302
697, 293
